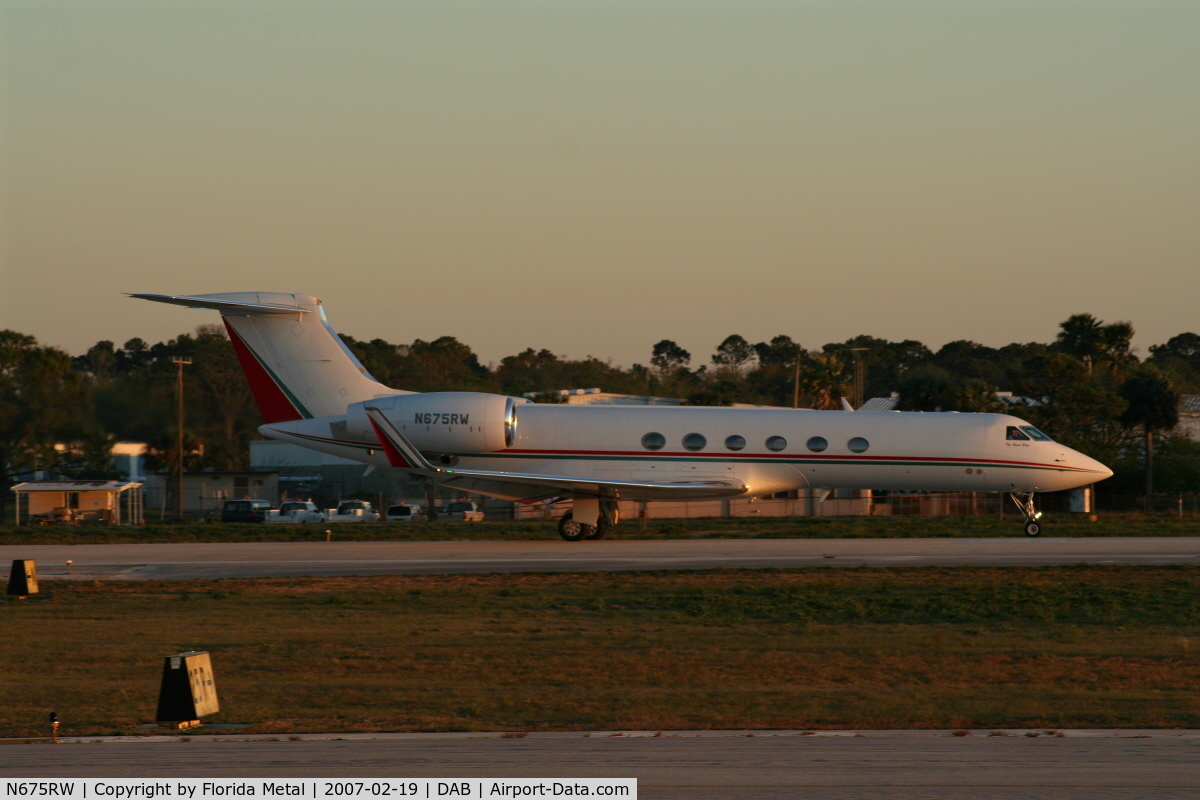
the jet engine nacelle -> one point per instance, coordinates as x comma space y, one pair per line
443, 422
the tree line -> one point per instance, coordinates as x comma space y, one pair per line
1087, 388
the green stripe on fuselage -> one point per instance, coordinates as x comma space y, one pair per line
881, 462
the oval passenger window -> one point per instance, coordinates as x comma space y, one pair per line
735, 442
654, 441
694, 441
817, 444
776, 443
858, 445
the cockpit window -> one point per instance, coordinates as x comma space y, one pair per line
1034, 433
1015, 435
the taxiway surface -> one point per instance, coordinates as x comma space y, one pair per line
289, 559
899, 765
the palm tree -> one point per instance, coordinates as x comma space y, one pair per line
1154, 405
1094, 343
825, 380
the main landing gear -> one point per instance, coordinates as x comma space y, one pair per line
572, 531
1024, 501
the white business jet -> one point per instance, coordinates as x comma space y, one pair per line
312, 391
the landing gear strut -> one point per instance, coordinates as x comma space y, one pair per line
1024, 501
572, 531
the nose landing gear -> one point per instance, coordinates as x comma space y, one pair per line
1024, 501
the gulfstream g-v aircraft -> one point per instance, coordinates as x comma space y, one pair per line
312, 391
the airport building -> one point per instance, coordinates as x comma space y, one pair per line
1189, 416
205, 492
305, 474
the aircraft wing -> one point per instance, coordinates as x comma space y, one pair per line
526, 486
522, 486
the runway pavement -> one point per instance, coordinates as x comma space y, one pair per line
283, 559
845, 765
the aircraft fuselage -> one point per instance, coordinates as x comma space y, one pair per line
778, 449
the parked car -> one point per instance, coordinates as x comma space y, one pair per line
295, 511
403, 513
352, 511
464, 510
245, 510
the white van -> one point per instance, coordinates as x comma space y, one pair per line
295, 511
352, 511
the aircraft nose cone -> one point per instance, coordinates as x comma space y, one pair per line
1095, 470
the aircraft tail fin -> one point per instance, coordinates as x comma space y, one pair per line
296, 364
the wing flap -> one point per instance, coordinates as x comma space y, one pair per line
525, 486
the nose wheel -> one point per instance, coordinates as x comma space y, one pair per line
1024, 501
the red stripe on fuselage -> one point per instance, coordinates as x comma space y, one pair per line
641, 455
273, 404
636, 455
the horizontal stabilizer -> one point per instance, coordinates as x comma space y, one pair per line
226, 307
295, 363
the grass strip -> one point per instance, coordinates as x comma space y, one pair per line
933, 647
698, 528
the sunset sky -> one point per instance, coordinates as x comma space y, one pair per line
592, 177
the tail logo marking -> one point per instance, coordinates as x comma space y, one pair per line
275, 401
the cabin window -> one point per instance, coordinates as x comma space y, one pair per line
1014, 434
817, 444
735, 442
1034, 433
694, 441
776, 443
654, 441
858, 445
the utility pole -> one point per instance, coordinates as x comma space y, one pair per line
858, 377
796, 384
179, 361
859, 389
430, 501
1149, 470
